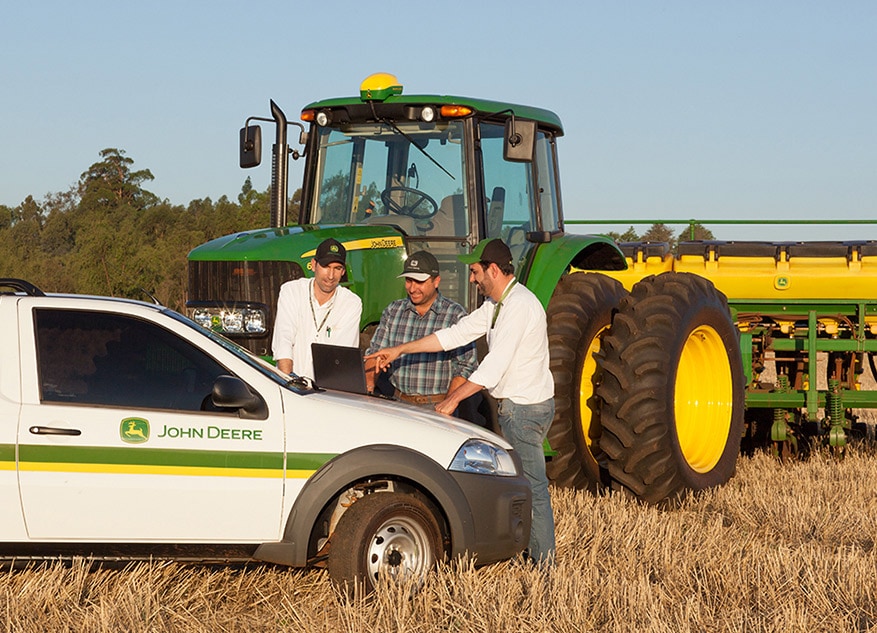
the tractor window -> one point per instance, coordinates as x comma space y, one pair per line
549, 200
372, 174
511, 191
508, 185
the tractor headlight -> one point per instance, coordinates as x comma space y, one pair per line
483, 458
241, 320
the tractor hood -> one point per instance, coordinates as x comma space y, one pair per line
298, 243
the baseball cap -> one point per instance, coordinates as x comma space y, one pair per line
420, 266
491, 251
330, 251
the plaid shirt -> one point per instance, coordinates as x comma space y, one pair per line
423, 374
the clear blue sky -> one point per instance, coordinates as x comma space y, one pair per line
686, 108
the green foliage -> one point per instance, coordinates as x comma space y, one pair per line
695, 232
110, 236
630, 235
659, 232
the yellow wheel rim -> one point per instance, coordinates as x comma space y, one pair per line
703, 402
590, 430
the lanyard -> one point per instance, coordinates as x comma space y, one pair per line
499, 303
314, 313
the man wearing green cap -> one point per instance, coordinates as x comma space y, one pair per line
515, 372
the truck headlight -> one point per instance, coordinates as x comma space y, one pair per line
483, 458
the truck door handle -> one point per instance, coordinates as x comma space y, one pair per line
50, 430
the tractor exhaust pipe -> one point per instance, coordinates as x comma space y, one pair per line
279, 169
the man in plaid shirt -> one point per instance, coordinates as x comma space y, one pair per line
423, 379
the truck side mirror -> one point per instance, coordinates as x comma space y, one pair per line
230, 392
520, 140
251, 146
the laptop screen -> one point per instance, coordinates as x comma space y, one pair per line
338, 367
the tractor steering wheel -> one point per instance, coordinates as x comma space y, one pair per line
414, 204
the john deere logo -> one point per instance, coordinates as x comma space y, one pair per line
781, 282
333, 248
134, 430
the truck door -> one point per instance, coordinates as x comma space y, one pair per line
117, 439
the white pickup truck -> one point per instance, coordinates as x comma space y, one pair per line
130, 432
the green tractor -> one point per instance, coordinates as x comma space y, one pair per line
649, 383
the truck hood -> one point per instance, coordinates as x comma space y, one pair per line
347, 421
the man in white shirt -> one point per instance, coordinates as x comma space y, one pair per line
315, 310
515, 372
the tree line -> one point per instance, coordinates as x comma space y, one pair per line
660, 232
109, 235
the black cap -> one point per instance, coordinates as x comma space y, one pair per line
330, 251
420, 266
491, 251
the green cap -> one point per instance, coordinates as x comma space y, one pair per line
490, 251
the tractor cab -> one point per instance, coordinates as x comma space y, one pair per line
443, 171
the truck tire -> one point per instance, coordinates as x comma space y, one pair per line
386, 535
672, 389
578, 314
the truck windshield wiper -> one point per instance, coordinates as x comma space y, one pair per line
300, 382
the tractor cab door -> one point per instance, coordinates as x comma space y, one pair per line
523, 202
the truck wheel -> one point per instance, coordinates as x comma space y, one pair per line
578, 314
386, 535
672, 388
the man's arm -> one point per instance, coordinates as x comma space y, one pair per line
384, 357
457, 394
284, 330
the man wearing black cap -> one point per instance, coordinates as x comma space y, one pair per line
423, 379
315, 310
515, 371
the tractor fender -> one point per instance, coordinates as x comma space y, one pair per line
552, 259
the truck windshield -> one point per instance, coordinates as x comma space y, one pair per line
301, 387
373, 174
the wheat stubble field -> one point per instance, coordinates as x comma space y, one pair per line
782, 547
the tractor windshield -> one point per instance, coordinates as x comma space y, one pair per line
410, 175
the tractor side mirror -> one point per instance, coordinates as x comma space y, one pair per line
251, 146
520, 140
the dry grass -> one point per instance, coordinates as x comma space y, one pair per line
783, 547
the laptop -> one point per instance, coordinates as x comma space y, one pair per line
338, 367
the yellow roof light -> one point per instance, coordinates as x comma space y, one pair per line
379, 86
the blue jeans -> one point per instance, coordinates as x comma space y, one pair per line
525, 427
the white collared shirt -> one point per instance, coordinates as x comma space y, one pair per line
295, 328
516, 366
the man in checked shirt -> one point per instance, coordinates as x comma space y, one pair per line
424, 379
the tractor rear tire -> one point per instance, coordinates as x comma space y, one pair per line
672, 389
578, 314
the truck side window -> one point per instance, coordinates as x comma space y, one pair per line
96, 358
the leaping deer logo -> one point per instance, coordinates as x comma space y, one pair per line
134, 430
